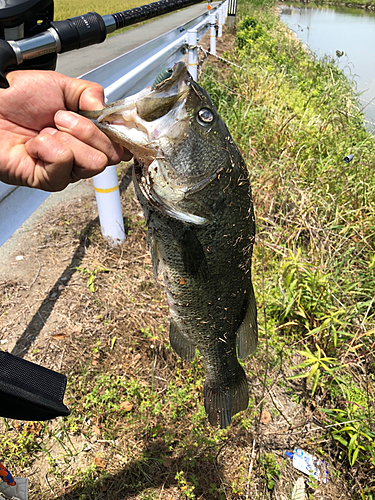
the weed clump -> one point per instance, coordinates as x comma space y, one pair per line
248, 30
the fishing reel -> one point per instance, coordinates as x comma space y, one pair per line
31, 39
24, 19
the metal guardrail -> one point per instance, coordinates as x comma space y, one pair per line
124, 75
135, 70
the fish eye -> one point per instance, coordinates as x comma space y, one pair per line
205, 116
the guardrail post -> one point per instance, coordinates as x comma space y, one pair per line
212, 17
220, 21
192, 55
232, 12
225, 11
109, 206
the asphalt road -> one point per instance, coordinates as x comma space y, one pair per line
77, 63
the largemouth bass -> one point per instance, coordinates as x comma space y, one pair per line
193, 186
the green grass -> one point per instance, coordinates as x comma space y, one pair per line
295, 117
71, 8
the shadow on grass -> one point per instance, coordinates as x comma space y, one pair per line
46, 308
155, 469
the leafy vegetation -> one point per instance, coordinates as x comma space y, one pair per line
352, 4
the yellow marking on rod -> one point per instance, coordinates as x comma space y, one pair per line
109, 190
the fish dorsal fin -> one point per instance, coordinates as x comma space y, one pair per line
247, 333
184, 348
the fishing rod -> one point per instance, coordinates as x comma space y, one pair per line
30, 39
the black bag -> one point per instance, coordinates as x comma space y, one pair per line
29, 391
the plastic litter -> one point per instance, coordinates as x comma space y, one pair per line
308, 464
6, 476
348, 158
17, 492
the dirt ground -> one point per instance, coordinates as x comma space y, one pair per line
51, 317
70, 302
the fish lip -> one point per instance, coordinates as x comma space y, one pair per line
91, 115
174, 88
127, 120
179, 75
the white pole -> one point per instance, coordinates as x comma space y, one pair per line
220, 21
192, 55
212, 17
109, 206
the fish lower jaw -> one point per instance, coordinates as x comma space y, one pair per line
130, 133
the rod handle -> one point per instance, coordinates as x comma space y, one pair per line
7, 59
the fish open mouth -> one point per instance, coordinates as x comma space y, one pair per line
139, 122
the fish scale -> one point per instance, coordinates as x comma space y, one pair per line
194, 188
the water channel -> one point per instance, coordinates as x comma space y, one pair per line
351, 31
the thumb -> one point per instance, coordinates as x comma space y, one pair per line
84, 95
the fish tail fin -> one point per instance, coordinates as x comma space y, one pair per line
221, 403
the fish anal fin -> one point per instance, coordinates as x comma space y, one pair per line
247, 333
221, 404
184, 348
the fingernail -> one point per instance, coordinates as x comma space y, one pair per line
66, 120
50, 131
92, 104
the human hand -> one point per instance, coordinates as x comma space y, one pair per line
43, 143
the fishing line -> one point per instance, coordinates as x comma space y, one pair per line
208, 53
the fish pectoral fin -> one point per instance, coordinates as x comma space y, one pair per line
184, 348
247, 333
222, 403
193, 256
157, 261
